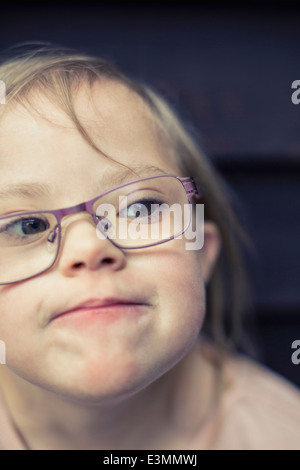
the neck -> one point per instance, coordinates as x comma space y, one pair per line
165, 415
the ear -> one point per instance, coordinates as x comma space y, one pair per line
210, 250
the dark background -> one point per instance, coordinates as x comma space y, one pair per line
228, 69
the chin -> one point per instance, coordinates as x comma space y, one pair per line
96, 384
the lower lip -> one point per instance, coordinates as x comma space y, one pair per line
106, 314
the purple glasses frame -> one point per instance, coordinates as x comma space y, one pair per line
188, 184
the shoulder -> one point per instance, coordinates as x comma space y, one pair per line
259, 409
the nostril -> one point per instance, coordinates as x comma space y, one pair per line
78, 265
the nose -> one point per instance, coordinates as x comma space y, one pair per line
82, 252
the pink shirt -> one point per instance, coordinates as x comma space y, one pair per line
257, 410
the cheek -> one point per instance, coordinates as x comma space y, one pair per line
182, 279
16, 324
182, 299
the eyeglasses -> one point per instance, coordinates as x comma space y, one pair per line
138, 214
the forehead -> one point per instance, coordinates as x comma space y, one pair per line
47, 145
123, 120
106, 107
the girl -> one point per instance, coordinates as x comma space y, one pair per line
112, 340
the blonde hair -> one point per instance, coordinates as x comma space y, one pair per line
57, 72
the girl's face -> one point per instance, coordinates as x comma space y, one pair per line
110, 355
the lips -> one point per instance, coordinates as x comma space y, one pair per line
98, 304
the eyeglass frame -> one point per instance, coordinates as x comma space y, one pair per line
188, 184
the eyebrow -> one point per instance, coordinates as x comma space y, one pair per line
31, 190
28, 190
142, 170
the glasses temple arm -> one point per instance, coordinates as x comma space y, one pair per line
191, 188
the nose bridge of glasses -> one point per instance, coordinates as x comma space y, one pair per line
66, 212
82, 207
60, 214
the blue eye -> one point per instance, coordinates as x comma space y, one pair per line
23, 227
144, 208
